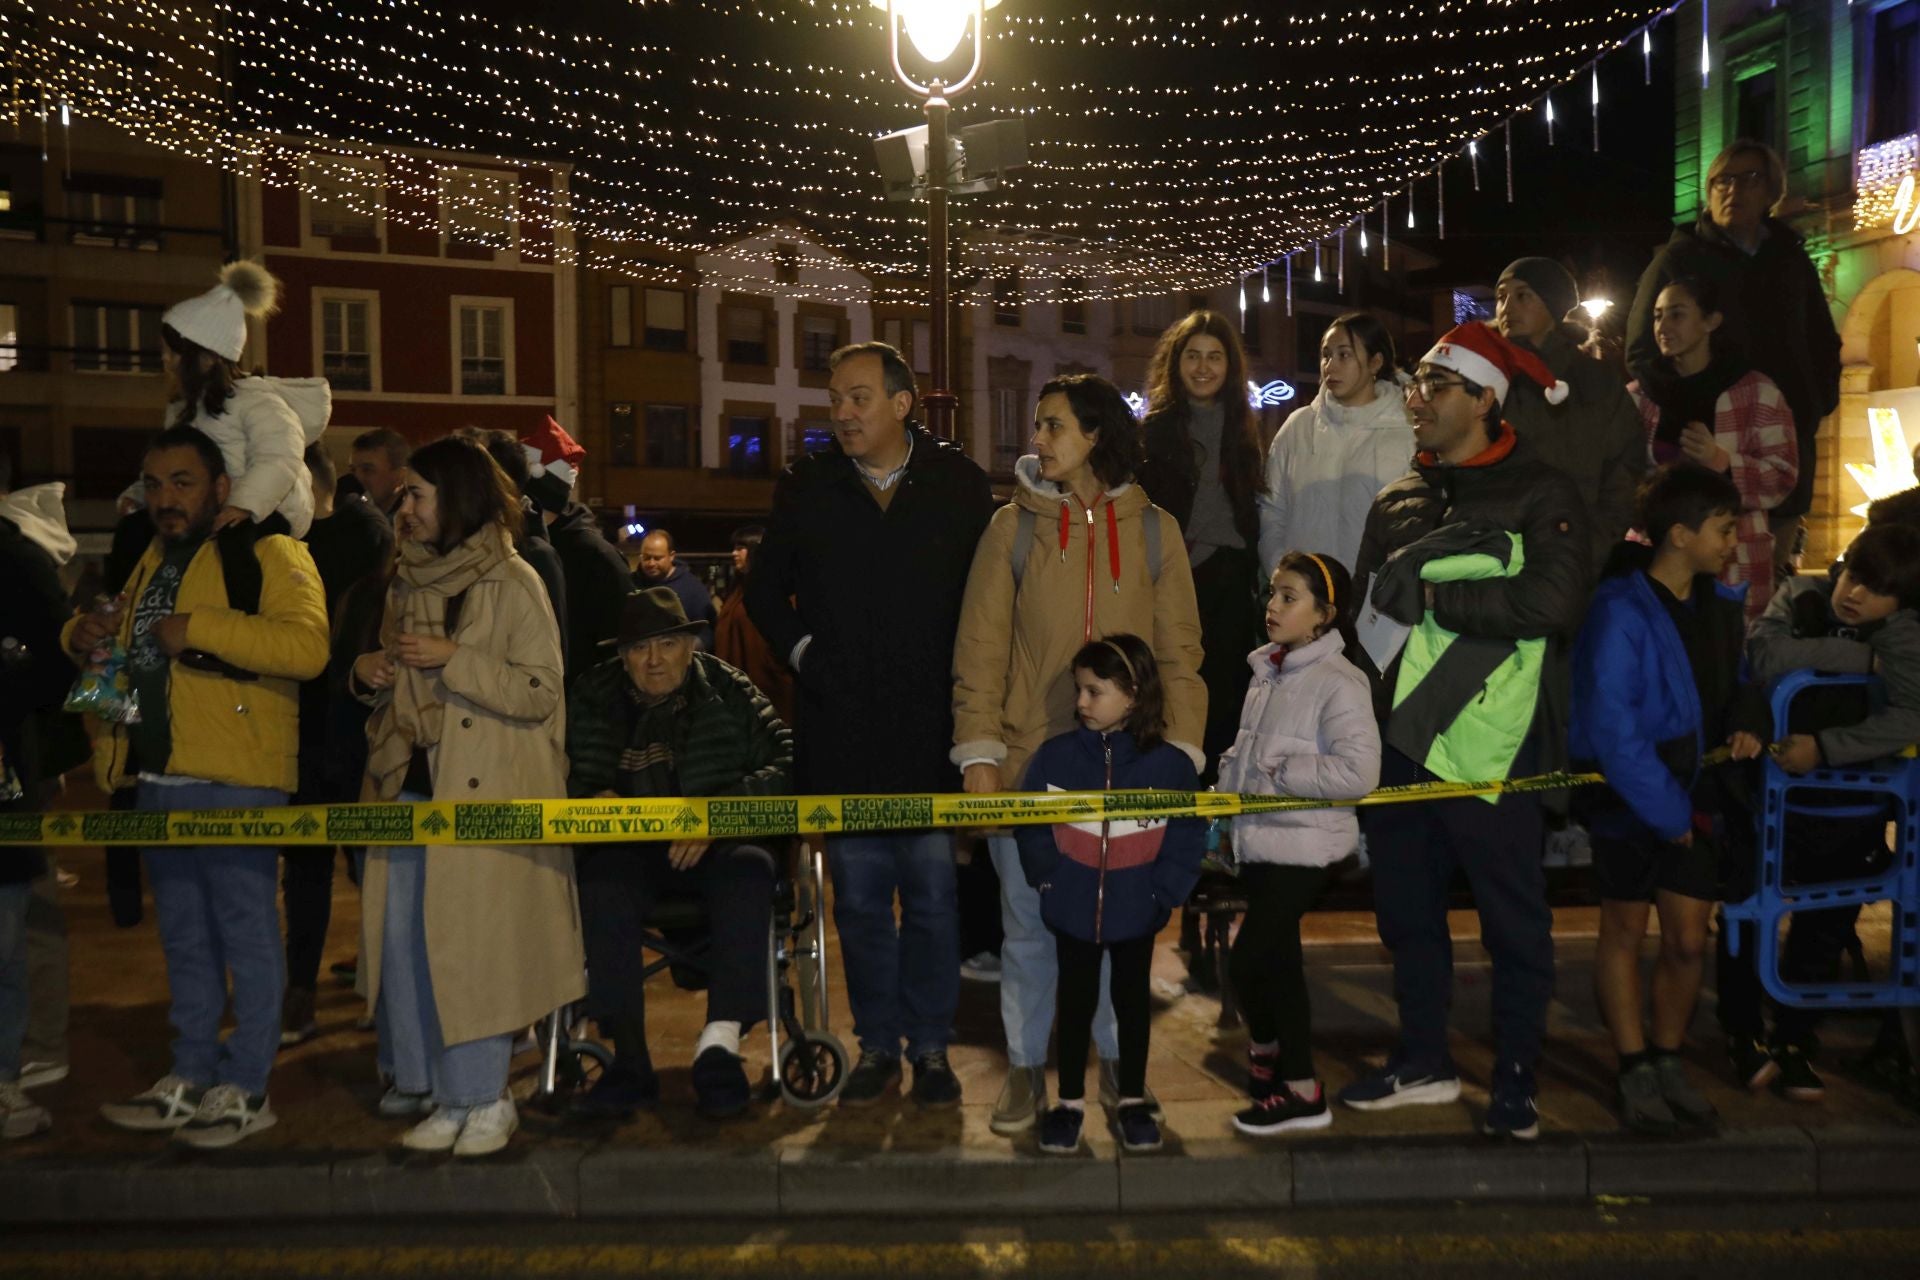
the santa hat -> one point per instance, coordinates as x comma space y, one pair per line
1480, 354
217, 319
553, 463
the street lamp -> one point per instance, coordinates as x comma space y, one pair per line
936, 28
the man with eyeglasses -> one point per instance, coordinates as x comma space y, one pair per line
1772, 298
1481, 550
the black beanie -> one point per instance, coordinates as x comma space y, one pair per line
1553, 282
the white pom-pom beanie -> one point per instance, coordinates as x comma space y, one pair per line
217, 319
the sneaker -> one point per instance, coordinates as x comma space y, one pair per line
396, 1104
872, 1076
21, 1116
1752, 1065
1684, 1099
1797, 1081
619, 1093
720, 1088
1283, 1111
935, 1087
225, 1115
438, 1132
1022, 1098
1260, 1075
1110, 1090
170, 1103
984, 967
296, 1018
1139, 1129
1395, 1086
1060, 1130
1643, 1106
34, 1075
487, 1128
1511, 1112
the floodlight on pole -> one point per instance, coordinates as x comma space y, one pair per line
936, 27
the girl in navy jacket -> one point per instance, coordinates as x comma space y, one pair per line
1108, 887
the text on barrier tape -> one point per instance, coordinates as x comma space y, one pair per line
606, 821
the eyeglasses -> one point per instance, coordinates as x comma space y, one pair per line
1426, 386
1745, 178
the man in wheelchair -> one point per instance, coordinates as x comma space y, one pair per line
661, 719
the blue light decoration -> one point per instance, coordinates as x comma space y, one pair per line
1266, 395
1137, 403
1468, 306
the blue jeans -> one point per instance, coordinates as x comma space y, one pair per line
903, 981
14, 1001
218, 911
1030, 969
470, 1074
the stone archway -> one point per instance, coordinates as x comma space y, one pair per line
1876, 354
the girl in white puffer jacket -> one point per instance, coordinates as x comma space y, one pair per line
1306, 729
1330, 458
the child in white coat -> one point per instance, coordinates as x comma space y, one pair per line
1306, 729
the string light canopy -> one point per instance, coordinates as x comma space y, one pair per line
1174, 144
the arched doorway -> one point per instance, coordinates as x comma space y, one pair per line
1879, 365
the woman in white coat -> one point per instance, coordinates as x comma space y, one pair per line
1330, 458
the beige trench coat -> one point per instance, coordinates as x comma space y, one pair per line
503, 922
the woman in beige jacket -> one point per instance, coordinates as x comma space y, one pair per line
1078, 554
464, 945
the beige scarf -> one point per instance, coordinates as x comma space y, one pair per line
417, 603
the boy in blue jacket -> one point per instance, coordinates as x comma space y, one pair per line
1656, 684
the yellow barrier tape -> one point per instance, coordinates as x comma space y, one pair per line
607, 821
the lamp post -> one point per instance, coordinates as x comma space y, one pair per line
936, 28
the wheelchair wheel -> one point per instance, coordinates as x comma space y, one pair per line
581, 1063
812, 1069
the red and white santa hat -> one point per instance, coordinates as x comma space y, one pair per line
1480, 353
553, 464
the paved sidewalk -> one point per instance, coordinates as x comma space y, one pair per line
330, 1156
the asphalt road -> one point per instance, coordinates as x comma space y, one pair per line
1749, 1241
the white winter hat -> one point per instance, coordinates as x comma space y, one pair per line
217, 319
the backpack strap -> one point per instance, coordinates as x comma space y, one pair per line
1023, 527
1150, 525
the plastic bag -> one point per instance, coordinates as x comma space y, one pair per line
103, 689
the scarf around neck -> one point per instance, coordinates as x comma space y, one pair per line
1690, 399
424, 583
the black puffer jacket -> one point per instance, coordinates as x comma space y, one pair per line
1508, 487
879, 592
1776, 315
1594, 437
597, 583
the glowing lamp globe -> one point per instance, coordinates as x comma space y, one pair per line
935, 26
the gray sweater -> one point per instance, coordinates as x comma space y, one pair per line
1774, 650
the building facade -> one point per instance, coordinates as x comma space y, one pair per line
1835, 88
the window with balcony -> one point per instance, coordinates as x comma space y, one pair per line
480, 206
483, 348
819, 339
1073, 305
743, 334
666, 320
749, 446
344, 196
112, 210
1756, 108
623, 439
670, 438
346, 343
810, 435
114, 337
1893, 101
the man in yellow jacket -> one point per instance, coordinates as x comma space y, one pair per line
218, 690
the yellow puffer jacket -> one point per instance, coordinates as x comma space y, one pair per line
1085, 577
241, 732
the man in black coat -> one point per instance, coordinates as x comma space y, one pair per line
858, 585
659, 567
1771, 296
1472, 693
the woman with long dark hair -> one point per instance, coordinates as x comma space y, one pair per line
1205, 466
464, 946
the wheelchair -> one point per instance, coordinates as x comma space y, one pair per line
1879, 785
809, 1062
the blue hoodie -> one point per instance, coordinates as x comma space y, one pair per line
1110, 881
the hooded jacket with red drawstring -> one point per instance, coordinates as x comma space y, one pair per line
1085, 577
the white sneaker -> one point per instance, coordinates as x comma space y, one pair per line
984, 967
487, 1129
170, 1103
21, 1116
35, 1074
438, 1132
225, 1115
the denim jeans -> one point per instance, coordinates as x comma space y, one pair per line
14, 1000
470, 1074
1030, 969
903, 981
218, 912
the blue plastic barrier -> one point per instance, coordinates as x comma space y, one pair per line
1894, 782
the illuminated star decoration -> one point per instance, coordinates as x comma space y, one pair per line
1892, 467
